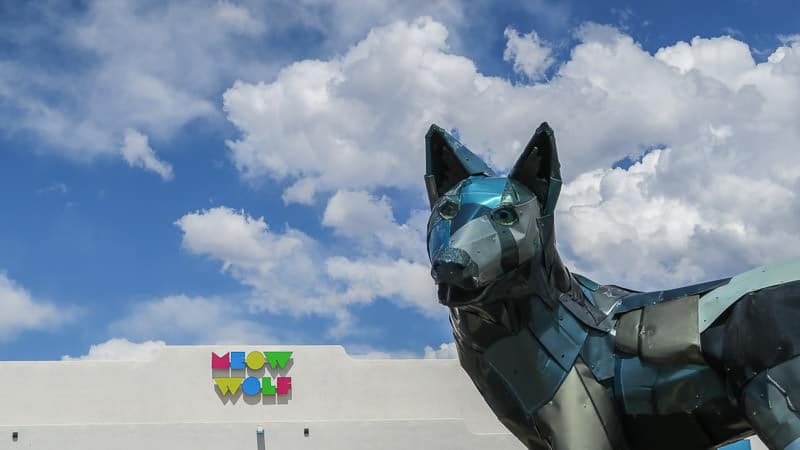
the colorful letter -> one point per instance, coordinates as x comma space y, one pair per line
284, 385
266, 386
220, 362
255, 360
228, 385
237, 360
251, 386
278, 358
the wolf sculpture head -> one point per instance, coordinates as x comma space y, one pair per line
491, 236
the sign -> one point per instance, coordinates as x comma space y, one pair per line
253, 365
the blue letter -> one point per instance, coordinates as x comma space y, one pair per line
237, 360
251, 386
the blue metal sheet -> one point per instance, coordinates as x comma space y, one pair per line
585, 282
598, 354
633, 386
739, 445
640, 300
526, 370
483, 191
646, 388
794, 445
438, 236
559, 332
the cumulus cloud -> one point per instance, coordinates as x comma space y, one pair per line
180, 319
120, 349
367, 279
131, 61
715, 196
719, 197
137, 153
445, 351
369, 221
529, 54
369, 352
20, 311
289, 272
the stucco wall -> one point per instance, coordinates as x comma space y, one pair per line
171, 402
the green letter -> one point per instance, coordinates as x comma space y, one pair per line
266, 386
278, 358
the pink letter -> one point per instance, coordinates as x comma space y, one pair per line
220, 362
284, 385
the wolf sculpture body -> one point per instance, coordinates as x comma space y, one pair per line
568, 364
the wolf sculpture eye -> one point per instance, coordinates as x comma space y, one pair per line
505, 215
448, 210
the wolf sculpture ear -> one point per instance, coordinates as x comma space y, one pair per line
538, 168
448, 162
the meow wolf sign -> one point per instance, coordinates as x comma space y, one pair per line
251, 364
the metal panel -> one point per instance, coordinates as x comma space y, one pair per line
769, 411
526, 369
558, 331
713, 304
604, 404
598, 353
572, 420
628, 325
669, 332
642, 299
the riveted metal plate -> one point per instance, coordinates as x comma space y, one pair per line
628, 325
669, 332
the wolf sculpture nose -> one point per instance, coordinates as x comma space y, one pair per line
454, 267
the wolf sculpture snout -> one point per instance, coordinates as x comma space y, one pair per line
453, 266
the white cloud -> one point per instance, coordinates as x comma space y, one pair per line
120, 349
179, 319
367, 279
252, 253
239, 18
717, 198
369, 352
157, 66
136, 79
290, 273
723, 58
369, 221
355, 132
137, 153
302, 192
20, 312
528, 53
445, 351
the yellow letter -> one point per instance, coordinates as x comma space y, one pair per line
228, 385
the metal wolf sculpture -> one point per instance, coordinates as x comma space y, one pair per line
567, 363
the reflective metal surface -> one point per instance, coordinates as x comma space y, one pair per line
567, 363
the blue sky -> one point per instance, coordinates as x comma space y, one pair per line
251, 171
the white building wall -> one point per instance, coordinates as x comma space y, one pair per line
171, 402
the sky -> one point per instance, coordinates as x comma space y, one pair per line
251, 172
